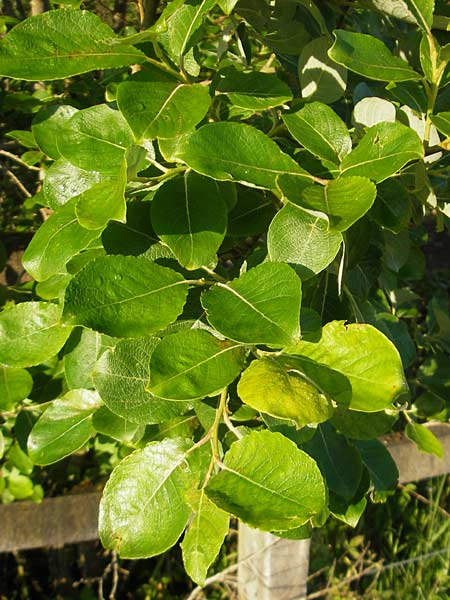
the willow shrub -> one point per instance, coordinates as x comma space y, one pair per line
215, 281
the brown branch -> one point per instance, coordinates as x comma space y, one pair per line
424, 500
19, 184
18, 160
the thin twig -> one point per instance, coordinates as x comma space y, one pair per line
19, 184
115, 576
424, 500
231, 427
18, 160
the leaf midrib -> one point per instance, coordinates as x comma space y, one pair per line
188, 370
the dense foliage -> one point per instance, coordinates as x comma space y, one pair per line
230, 283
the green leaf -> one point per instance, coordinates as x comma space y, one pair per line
394, 216
120, 377
369, 57
204, 535
227, 6
103, 202
372, 110
238, 152
394, 8
344, 200
190, 217
81, 352
63, 181
287, 394
30, 333
24, 137
19, 459
253, 90
267, 466
338, 461
143, 510
15, 385
262, 306
442, 122
321, 131
62, 43
64, 428
193, 364
423, 12
425, 439
183, 23
330, 382
57, 240
321, 78
20, 486
46, 125
384, 150
107, 423
303, 240
135, 236
349, 512
156, 105
362, 426
366, 357
252, 213
95, 139
124, 296
380, 464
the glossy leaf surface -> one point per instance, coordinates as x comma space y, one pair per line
120, 378
343, 200
95, 139
190, 216
103, 202
46, 125
204, 535
366, 357
156, 105
286, 480
303, 240
270, 388
385, 149
321, 78
321, 131
193, 364
63, 181
238, 152
62, 43
143, 510
124, 296
64, 427
262, 306
30, 333
58, 239
253, 90
368, 56
84, 347
15, 385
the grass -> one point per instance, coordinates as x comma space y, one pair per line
400, 549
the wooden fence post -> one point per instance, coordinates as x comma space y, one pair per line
279, 570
